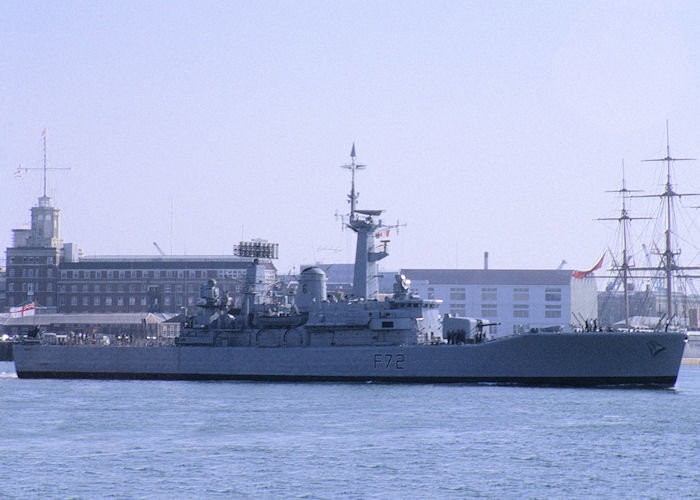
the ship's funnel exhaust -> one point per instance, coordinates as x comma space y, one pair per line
312, 288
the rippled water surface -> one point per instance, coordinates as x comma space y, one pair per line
165, 439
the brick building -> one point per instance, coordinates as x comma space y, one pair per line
41, 268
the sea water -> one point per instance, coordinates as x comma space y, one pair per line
167, 439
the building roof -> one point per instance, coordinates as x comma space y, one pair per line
490, 277
89, 319
161, 258
164, 262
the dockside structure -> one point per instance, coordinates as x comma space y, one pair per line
518, 299
153, 284
42, 268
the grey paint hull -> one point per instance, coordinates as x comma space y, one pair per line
581, 359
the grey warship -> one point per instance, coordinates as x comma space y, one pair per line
318, 337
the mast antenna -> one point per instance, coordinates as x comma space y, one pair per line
45, 166
353, 166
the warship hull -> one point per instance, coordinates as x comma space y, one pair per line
561, 359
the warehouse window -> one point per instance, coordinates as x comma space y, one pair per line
458, 309
552, 311
489, 310
521, 311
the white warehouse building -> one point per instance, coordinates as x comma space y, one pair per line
518, 299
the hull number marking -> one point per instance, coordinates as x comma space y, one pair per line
389, 361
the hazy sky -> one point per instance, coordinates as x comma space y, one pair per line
486, 125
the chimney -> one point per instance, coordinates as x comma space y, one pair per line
486, 261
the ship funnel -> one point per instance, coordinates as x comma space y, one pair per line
312, 288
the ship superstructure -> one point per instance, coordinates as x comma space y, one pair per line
312, 319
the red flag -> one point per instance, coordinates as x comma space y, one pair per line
582, 274
382, 234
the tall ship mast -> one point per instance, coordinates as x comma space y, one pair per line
669, 264
624, 220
